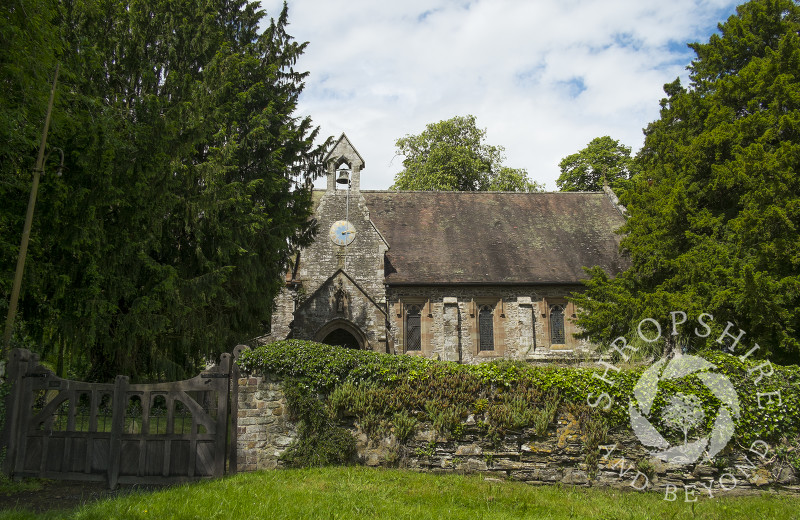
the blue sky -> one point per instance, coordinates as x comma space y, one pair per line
543, 77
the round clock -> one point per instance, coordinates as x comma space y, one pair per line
342, 233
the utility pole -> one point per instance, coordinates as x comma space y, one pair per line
26, 232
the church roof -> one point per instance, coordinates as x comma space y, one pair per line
495, 237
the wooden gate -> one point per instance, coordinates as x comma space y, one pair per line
118, 433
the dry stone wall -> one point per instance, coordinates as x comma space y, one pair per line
560, 456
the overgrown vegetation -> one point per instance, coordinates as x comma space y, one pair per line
594, 431
320, 441
388, 394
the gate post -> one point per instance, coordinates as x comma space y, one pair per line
119, 404
233, 446
24, 405
223, 389
17, 367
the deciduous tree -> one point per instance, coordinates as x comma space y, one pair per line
603, 160
451, 155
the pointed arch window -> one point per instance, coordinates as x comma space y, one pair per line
413, 328
486, 328
557, 336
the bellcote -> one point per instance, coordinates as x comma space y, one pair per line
344, 153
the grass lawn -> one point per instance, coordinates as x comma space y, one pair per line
358, 492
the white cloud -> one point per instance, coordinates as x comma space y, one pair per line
543, 77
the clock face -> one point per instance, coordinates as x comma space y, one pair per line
342, 233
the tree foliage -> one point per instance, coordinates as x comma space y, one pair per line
185, 190
714, 221
451, 155
603, 159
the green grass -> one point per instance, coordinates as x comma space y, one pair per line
358, 492
12, 487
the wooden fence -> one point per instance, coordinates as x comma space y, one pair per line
118, 433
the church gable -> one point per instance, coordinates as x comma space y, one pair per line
340, 304
342, 154
347, 238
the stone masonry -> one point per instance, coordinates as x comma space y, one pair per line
448, 255
449, 321
264, 432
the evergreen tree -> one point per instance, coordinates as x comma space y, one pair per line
186, 187
714, 214
29, 44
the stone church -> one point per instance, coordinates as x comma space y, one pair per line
457, 276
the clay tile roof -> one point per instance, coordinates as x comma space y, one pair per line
493, 237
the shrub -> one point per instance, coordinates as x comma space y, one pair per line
404, 425
319, 442
446, 420
646, 467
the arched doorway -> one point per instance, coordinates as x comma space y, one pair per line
341, 332
342, 338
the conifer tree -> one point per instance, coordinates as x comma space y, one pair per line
186, 185
714, 214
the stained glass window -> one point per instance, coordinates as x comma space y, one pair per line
413, 328
486, 328
557, 325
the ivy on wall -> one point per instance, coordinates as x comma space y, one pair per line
387, 393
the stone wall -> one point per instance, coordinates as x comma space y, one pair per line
521, 322
264, 432
282, 316
341, 303
362, 259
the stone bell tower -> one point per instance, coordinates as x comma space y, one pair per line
344, 156
342, 271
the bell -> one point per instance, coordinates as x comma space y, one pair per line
344, 177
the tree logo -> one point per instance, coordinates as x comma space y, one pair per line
683, 413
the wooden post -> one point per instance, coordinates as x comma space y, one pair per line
170, 430
66, 455
146, 400
11, 434
119, 404
26, 231
221, 434
24, 405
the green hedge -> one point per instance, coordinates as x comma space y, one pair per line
376, 387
